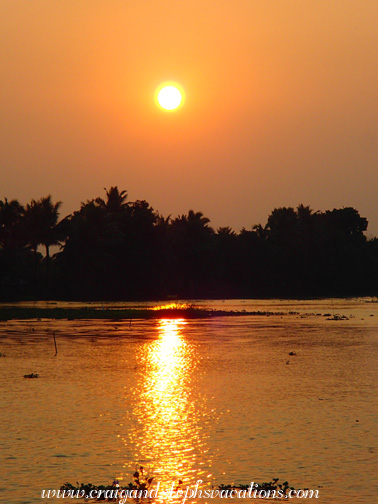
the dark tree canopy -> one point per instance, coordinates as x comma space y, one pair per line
112, 248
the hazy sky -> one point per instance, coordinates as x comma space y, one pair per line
281, 104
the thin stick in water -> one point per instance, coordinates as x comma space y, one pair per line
56, 349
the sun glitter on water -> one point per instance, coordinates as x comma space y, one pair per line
169, 96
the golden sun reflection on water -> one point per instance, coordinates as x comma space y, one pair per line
169, 433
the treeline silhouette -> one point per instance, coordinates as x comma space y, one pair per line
113, 249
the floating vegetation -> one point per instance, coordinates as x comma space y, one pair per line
338, 317
142, 481
2, 355
267, 489
141, 484
31, 375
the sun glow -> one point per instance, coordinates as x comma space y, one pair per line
170, 96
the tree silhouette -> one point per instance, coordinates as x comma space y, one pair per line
115, 249
11, 213
87, 252
193, 248
41, 219
115, 202
41, 228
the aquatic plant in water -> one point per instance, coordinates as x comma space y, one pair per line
268, 487
141, 481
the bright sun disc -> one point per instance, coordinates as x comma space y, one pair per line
169, 97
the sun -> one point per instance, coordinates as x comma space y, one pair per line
169, 96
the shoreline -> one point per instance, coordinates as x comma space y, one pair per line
26, 313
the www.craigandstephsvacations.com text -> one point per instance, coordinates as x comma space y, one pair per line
182, 494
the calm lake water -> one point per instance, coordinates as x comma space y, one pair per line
219, 400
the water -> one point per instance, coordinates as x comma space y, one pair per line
220, 400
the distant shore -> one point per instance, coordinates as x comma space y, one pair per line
26, 313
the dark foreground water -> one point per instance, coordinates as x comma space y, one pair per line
220, 400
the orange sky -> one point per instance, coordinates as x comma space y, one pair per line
281, 104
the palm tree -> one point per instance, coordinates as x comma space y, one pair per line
193, 246
197, 219
304, 213
41, 227
261, 231
41, 219
116, 200
11, 213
